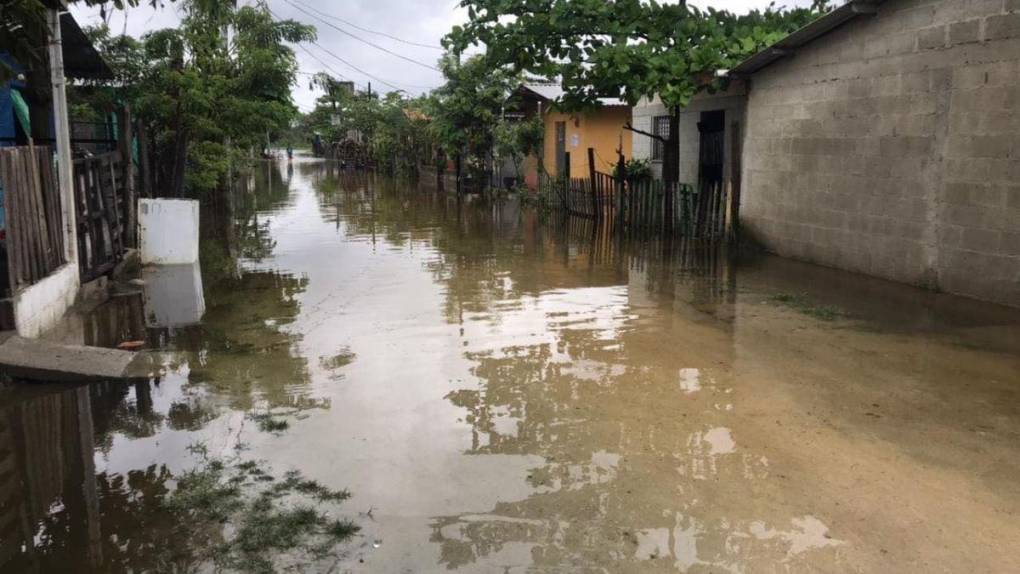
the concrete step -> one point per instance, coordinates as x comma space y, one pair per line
38, 360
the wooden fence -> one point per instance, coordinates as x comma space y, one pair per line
31, 200
102, 203
590, 197
646, 207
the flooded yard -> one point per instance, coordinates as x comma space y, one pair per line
504, 392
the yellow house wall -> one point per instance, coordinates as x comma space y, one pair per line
601, 129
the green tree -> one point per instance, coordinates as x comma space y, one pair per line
400, 137
200, 91
125, 56
209, 92
517, 140
466, 109
334, 90
622, 48
393, 128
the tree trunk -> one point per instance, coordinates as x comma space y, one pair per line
457, 164
143, 160
180, 163
125, 141
440, 163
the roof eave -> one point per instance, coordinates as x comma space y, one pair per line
803, 36
81, 59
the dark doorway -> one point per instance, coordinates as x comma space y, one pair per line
561, 148
712, 129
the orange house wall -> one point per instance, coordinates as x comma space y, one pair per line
602, 130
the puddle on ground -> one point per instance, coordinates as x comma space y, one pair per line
505, 392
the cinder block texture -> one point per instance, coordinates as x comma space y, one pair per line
891, 146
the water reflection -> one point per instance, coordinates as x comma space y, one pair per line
59, 512
229, 351
49, 485
505, 390
173, 295
573, 376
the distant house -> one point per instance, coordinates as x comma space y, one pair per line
573, 133
882, 138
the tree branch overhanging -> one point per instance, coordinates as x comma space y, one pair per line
629, 127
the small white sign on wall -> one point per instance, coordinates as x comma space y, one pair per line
575, 140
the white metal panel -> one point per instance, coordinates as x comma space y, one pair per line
168, 231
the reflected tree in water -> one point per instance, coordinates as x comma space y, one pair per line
605, 421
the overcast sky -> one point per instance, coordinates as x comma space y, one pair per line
377, 22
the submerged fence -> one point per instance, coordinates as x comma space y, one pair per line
32, 212
646, 207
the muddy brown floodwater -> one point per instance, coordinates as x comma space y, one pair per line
503, 393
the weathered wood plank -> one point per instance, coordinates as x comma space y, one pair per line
25, 219
40, 227
13, 254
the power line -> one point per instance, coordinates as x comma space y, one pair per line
324, 64
363, 29
345, 62
360, 39
330, 68
357, 69
352, 66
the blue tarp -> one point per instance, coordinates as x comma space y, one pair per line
8, 130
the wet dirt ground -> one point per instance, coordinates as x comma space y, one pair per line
506, 392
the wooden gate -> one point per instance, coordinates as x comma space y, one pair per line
100, 192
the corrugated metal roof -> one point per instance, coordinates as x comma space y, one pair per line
809, 33
553, 93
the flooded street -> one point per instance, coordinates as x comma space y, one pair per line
505, 392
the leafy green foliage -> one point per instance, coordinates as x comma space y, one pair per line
400, 135
634, 170
335, 90
393, 127
518, 139
268, 423
465, 109
629, 49
205, 101
623, 48
269, 517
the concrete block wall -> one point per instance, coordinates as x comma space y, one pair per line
641, 118
891, 146
731, 101
40, 306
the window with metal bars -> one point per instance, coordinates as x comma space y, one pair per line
660, 127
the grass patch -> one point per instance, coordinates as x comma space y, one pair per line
342, 359
267, 422
260, 518
801, 303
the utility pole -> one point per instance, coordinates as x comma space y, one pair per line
65, 167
